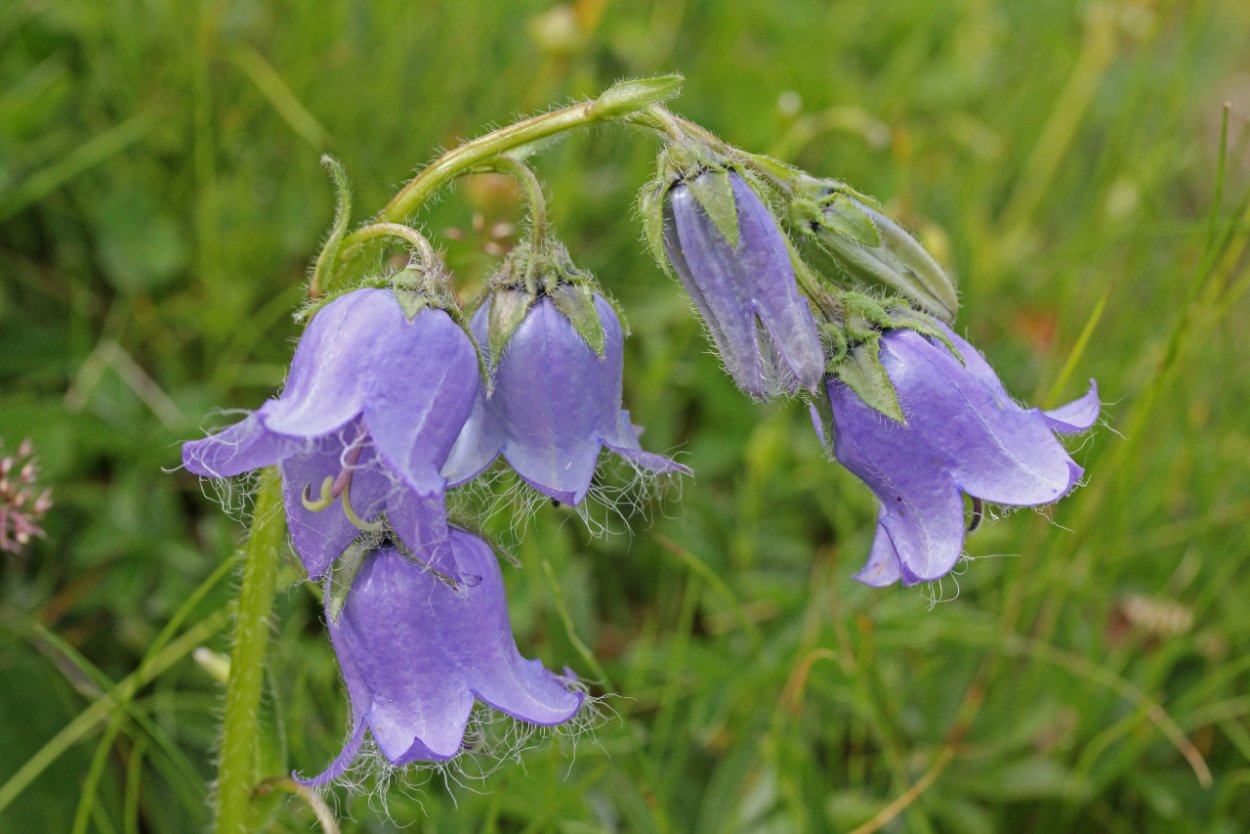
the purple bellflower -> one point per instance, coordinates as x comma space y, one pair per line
555, 404
964, 434
415, 653
747, 294
371, 408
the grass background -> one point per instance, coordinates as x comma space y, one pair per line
160, 198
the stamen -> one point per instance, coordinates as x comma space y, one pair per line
326, 499
351, 456
334, 487
360, 523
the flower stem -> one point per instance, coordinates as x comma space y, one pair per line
478, 151
616, 103
523, 174
420, 245
620, 102
237, 774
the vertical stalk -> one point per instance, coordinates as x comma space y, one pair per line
237, 774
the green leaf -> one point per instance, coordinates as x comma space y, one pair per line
714, 191
863, 372
822, 419
577, 303
141, 246
925, 325
507, 310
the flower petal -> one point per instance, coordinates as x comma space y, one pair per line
921, 510
1078, 415
624, 442
420, 521
414, 651
389, 638
522, 688
783, 312
341, 762
335, 364
555, 398
423, 388
884, 566
240, 448
993, 448
478, 444
740, 290
707, 268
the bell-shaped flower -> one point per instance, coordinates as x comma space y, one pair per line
554, 405
963, 435
746, 289
415, 653
370, 411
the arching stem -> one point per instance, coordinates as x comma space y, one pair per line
533, 194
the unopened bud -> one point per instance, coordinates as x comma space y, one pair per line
869, 246
632, 95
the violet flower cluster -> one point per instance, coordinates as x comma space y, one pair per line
807, 288
383, 412
912, 409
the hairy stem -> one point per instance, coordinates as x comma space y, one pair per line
420, 245
523, 174
481, 150
237, 770
620, 102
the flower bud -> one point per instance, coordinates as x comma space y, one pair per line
733, 259
849, 228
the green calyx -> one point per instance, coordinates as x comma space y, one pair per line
855, 345
418, 286
342, 574
527, 275
713, 190
706, 173
850, 230
861, 369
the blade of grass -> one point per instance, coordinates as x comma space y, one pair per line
94, 151
92, 716
279, 94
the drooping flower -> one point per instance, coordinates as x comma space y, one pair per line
371, 408
964, 435
415, 653
747, 293
555, 404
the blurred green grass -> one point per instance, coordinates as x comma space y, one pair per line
160, 198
